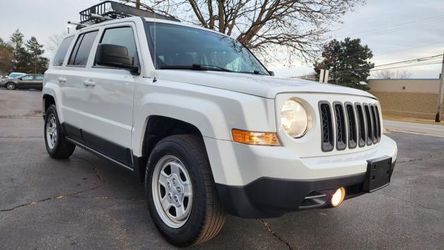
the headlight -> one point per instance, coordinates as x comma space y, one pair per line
294, 118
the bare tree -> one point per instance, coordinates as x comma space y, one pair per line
403, 74
54, 42
261, 25
387, 74
384, 74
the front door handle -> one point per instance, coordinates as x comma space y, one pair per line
89, 83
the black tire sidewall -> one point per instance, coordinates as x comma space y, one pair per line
10, 83
52, 111
189, 232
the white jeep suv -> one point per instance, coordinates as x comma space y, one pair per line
197, 118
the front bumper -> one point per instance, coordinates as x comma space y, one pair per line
254, 181
271, 197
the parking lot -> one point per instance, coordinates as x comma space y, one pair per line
90, 203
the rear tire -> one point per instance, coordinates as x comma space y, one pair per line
10, 86
56, 144
178, 166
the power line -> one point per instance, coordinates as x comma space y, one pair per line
385, 28
407, 66
416, 60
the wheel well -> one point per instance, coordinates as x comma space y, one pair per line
159, 127
48, 100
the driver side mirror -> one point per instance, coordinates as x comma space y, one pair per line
115, 56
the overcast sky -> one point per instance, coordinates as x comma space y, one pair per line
394, 30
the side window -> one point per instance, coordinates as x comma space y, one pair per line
28, 77
61, 52
39, 78
80, 53
122, 36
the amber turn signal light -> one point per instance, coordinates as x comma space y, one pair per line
255, 138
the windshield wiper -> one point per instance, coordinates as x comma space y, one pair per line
256, 72
209, 67
196, 67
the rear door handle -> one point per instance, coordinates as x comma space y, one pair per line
62, 80
89, 83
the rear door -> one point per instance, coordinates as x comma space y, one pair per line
72, 84
26, 81
38, 81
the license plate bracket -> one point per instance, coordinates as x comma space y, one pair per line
379, 172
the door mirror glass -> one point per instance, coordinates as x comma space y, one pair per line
115, 56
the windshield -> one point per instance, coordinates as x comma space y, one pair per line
181, 47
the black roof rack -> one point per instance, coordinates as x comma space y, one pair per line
108, 10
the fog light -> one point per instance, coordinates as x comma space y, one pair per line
338, 197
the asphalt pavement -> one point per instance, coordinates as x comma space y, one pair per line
90, 203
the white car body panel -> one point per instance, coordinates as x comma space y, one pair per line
258, 85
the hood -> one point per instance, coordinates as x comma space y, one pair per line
258, 85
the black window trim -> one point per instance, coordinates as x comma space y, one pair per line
95, 66
79, 36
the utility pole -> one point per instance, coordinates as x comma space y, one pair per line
440, 93
138, 4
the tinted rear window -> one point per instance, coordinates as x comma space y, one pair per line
80, 53
61, 52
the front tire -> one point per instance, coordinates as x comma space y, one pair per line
10, 86
56, 144
180, 191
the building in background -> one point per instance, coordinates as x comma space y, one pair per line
415, 98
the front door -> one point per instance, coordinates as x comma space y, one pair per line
109, 98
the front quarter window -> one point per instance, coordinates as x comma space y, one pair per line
180, 47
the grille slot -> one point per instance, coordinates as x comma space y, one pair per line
378, 122
375, 127
349, 126
326, 127
352, 131
341, 132
362, 127
369, 124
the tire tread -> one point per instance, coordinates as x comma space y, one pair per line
64, 149
214, 214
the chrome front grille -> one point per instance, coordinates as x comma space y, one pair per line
347, 125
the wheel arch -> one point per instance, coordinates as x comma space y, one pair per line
51, 94
158, 127
47, 101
